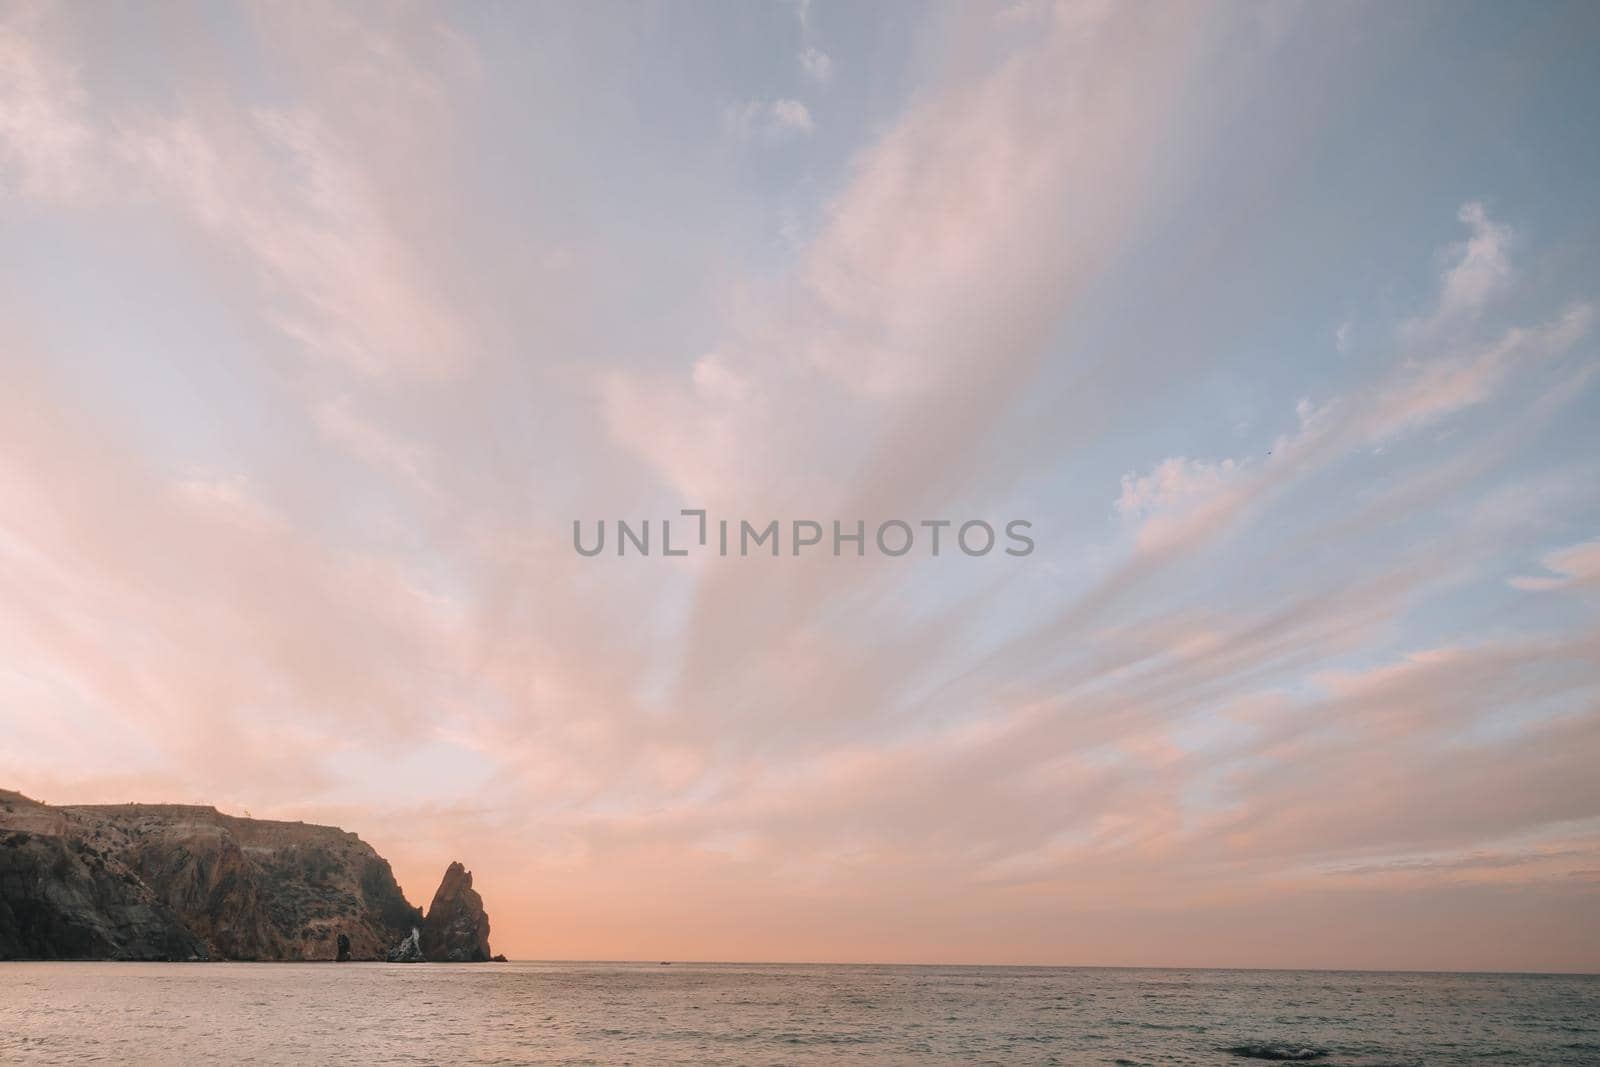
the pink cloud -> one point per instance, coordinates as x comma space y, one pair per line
1574, 565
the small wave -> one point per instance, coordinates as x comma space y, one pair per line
1281, 1053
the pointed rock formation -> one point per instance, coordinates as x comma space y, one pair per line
456, 929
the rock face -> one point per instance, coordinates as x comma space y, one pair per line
457, 928
409, 950
163, 881
64, 899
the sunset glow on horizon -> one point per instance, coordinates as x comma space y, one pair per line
1270, 328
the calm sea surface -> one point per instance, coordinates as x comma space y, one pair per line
761, 1014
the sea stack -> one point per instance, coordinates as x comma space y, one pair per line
457, 928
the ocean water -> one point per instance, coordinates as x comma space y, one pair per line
135, 1013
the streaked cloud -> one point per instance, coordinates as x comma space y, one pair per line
1574, 565
44, 128
315, 340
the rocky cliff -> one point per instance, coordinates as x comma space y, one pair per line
457, 929
163, 881
62, 899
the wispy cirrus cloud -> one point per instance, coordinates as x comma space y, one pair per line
1478, 270
1577, 564
276, 184
1182, 498
45, 130
301, 544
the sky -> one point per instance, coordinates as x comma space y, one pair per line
320, 326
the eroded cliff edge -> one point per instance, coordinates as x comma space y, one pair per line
167, 881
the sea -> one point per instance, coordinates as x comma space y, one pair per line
748, 1014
